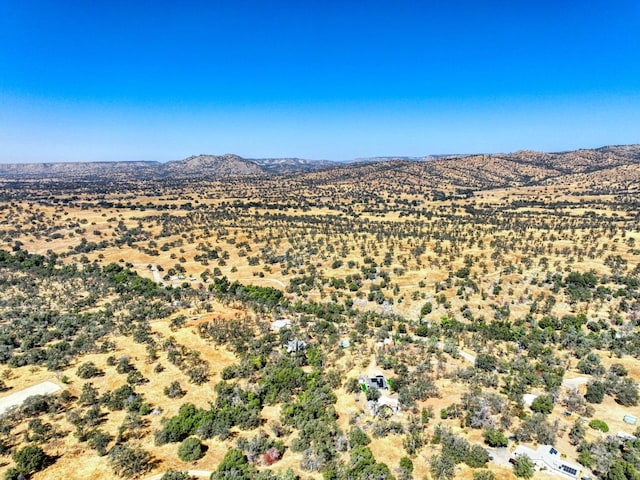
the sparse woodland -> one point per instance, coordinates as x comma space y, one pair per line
470, 284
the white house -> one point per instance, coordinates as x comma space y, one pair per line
546, 457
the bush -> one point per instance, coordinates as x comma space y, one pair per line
627, 393
542, 404
486, 362
595, 392
175, 475
357, 438
599, 425
483, 475
30, 458
129, 461
234, 465
174, 390
523, 466
190, 450
87, 370
406, 464
495, 438
99, 441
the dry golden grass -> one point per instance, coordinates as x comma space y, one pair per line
307, 238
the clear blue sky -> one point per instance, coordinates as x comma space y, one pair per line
156, 80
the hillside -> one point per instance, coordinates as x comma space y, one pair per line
442, 172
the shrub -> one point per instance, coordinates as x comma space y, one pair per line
627, 393
523, 466
30, 458
175, 475
129, 461
595, 392
483, 475
406, 464
599, 425
174, 390
357, 438
271, 456
190, 450
495, 438
542, 404
87, 370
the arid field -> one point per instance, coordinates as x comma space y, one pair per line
502, 308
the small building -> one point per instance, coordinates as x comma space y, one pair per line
391, 403
279, 324
630, 419
384, 406
546, 457
296, 346
378, 382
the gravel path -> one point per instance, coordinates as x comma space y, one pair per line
17, 398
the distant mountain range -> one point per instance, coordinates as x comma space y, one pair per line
469, 171
196, 167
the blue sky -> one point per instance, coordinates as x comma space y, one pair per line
154, 80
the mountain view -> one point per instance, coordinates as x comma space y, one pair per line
319, 240
432, 318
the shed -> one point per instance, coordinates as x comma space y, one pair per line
630, 419
296, 346
279, 324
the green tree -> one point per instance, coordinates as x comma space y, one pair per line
487, 362
483, 475
523, 466
190, 450
426, 309
357, 438
577, 432
627, 393
495, 438
87, 370
476, 457
442, 467
127, 461
174, 390
595, 392
99, 440
234, 466
542, 404
175, 475
30, 459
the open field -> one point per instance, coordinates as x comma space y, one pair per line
142, 298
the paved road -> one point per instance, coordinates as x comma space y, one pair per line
18, 398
